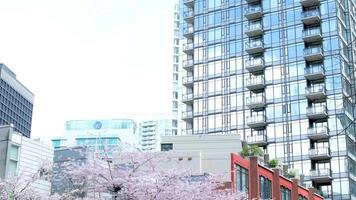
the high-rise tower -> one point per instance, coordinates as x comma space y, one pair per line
280, 74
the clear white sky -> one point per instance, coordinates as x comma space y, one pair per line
87, 59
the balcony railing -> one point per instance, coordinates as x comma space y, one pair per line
314, 72
260, 140
317, 112
188, 31
256, 101
256, 121
318, 132
188, 15
309, 3
254, 64
188, 3
255, 82
315, 92
312, 34
187, 80
311, 16
313, 53
320, 153
187, 115
253, 12
323, 175
254, 29
187, 97
188, 63
187, 47
254, 46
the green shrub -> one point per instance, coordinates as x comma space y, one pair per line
273, 163
253, 150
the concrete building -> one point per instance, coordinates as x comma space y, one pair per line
150, 133
16, 102
101, 136
24, 157
280, 74
203, 153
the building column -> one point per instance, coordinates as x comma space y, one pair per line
295, 187
276, 191
254, 180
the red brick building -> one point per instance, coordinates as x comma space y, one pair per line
261, 182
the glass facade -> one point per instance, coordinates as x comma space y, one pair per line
280, 74
79, 125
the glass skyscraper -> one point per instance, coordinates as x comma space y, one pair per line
16, 102
281, 74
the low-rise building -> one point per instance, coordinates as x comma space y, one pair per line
23, 157
203, 153
150, 133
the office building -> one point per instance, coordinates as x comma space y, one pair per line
150, 133
261, 182
16, 102
202, 153
24, 157
280, 74
101, 136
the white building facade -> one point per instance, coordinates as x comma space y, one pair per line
24, 157
150, 133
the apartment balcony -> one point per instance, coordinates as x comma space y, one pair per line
187, 131
188, 48
313, 53
255, 102
188, 81
255, 83
310, 17
317, 92
314, 72
309, 3
312, 34
187, 115
255, 46
253, 12
254, 29
255, 64
189, 3
189, 16
317, 112
253, 1
187, 98
318, 133
188, 32
188, 64
321, 153
259, 140
256, 121
321, 175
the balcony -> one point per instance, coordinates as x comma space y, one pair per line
253, 1
317, 112
318, 133
321, 175
316, 92
187, 64
254, 64
309, 3
255, 82
187, 98
253, 12
321, 153
188, 32
187, 115
259, 140
313, 53
314, 72
254, 29
256, 101
189, 3
312, 34
254, 46
188, 81
310, 17
256, 121
189, 16
188, 48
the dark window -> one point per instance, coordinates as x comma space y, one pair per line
241, 179
166, 147
285, 193
265, 188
